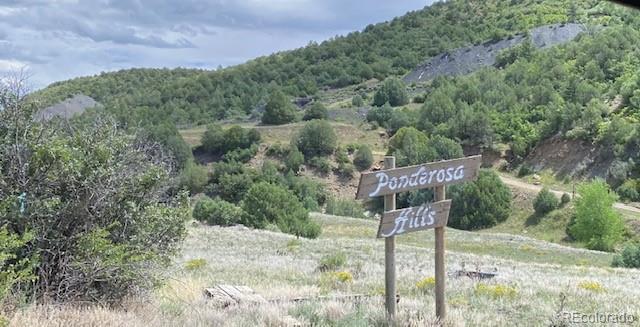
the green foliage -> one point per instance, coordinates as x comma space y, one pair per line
15, 269
566, 198
357, 101
267, 203
482, 203
294, 160
596, 222
545, 202
344, 207
525, 170
380, 115
194, 178
96, 203
392, 91
167, 135
195, 264
316, 111
217, 140
346, 169
629, 258
412, 147
321, 164
363, 158
232, 187
311, 193
278, 110
332, 262
217, 212
629, 190
317, 138
522, 51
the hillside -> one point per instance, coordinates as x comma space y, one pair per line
527, 290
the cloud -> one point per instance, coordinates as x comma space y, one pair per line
60, 39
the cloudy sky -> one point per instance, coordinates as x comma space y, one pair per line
60, 39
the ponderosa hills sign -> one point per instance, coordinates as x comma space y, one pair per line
418, 177
434, 215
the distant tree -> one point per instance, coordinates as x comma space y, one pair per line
294, 160
357, 101
213, 138
445, 148
410, 146
363, 158
278, 110
316, 111
545, 202
482, 203
217, 212
629, 258
217, 140
194, 177
596, 222
380, 115
317, 138
392, 91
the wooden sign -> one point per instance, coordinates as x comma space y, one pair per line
426, 216
434, 215
411, 178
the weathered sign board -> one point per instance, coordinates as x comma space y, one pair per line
417, 177
434, 215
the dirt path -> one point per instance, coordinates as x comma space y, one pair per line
514, 182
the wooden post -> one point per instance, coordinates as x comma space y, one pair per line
441, 311
389, 252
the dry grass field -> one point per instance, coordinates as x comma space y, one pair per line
532, 277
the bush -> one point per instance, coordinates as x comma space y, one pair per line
629, 258
15, 270
317, 138
591, 286
217, 212
278, 150
525, 170
357, 101
596, 222
392, 91
232, 187
346, 170
96, 203
629, 190
195, 264
321, 164
294, 160
194, 178
311, 193
344, 207
241, 155
267, 203
363, 158
566, 198
426, 284
331, 262
278, 110
482, 203
217, 140
316, 111
545, 202
380, 115
495, 291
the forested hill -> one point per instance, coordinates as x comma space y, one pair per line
193, 97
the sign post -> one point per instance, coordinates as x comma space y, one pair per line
392, 180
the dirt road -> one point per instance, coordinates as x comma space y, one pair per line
514, 182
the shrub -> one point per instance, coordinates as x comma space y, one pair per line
333, 261
341, 156
545, 202
482, 203
278, 110
321, 164
217, 140
343, 276
591, 286
363, 158
380, 115
420, 98
596, 222
316, 111
426, 284
357, 101
311, 193
566, 198
317, 138
194, 178
217, 212
267, 203
294, 160
241, 155
278, 150
495, 291
629, 258
392, 91
232, 187
195, 264
346, 170
525, 170
96, 202
629, 190
344, 207
14, 270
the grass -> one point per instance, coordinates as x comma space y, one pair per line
260, 259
